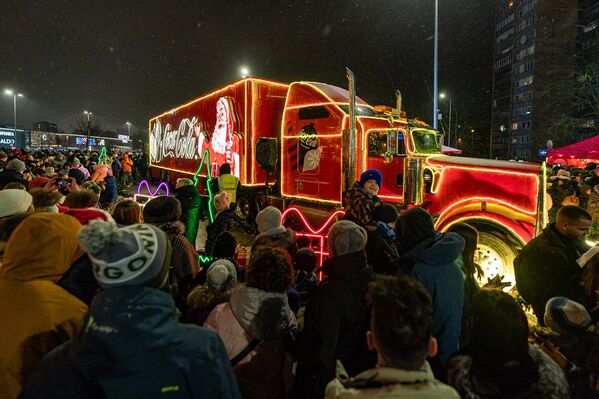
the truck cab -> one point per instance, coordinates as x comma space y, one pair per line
314, 142
504, 201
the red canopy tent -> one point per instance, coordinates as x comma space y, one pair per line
577, 154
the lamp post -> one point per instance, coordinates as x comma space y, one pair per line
88, 129
442, 96
14, 95
245, 72
128, 128
436, 68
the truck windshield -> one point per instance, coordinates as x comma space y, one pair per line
360, 110
426, 141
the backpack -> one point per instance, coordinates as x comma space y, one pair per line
271, 371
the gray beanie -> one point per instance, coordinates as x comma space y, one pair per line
16, 164
269, 218
346, 237
132, 255
221, 273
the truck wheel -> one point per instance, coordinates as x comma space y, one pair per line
496, 257
246, 206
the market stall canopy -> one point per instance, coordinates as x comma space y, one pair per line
577, 154
451, 150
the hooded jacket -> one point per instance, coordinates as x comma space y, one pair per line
134, 347
127, 164
236, 321
335, 325
201, 301
10, 176
36, 315
436, 267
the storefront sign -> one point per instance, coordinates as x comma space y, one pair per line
7, 139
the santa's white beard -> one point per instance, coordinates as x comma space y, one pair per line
219, 139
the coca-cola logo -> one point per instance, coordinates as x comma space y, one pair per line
168, 143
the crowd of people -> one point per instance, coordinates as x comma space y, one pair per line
575, 186
109, 299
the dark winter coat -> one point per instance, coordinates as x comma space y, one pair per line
108, 196
558, 193
335, 325
546, 267
201, 301
436, 266
382, 253
79, 280
190, 201
593, 204
278, 237
185, 264
360, 206
10, 176
134, 347
222, 222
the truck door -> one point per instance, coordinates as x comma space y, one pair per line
386, 152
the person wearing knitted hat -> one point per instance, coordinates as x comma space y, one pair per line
221, 278
258, 312
36, 315
574, 333
272, 233
336, 316
381, 250
78, 166
13, 172
432, 258
361, 199
133, 344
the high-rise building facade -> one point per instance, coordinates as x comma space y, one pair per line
534, 63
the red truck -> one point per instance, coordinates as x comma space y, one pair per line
306, 142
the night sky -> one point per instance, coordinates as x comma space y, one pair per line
130, 60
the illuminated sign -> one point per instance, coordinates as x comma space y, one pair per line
123, 137
192, 137
317, 237
8, 139
143, 196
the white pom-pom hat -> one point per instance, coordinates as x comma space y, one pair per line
133, 255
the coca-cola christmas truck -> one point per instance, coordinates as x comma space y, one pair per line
300, 145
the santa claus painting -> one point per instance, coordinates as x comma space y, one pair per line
223, 143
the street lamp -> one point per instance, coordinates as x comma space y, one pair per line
245, 72
14, 95
443, 96
128, 128
89, 147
